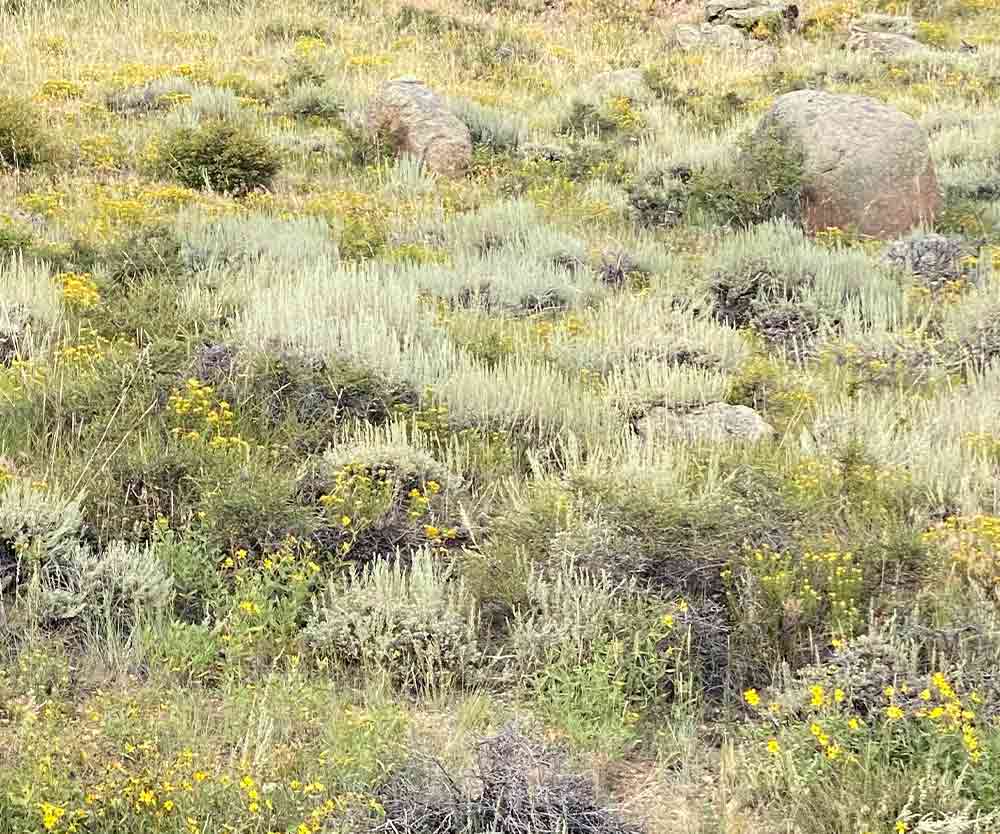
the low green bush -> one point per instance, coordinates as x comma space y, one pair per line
764, 184
218, 155
23, 142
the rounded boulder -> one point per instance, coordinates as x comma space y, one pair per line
418, 122
866, 166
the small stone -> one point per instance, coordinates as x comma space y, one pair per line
715, 421
886, 44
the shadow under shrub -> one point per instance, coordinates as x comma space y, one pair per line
516, 786
298, 400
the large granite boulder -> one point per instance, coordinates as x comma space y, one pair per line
867, 167
885, 44
418, 122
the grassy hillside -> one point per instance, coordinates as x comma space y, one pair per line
338, 496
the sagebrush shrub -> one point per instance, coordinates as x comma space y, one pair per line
593, 651
112, 588
22, 136
418, 625
37, 525
218, 155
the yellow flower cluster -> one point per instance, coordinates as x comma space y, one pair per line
973, 543
89, 349
200, 417
79, 289
823, 582
46, 203
19, 377
835, 734
60, 88
357, 500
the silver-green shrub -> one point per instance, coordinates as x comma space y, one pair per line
416, 623
37, 526
113, 587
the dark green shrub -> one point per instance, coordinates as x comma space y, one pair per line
660, 201
221, 156
298, 400
293, 29
22, 136
766, 183
430, 22
191, 563
969, 216
252, 506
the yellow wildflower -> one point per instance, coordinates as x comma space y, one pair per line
751, 697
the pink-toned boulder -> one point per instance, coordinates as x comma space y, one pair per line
418, 122
867, 166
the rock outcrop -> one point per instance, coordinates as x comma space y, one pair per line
749, 14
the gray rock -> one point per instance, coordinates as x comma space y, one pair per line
715, 421
891, 24
886, 44
867, 167
419, 123
762, 56
687, 36
746, 14
708, 36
